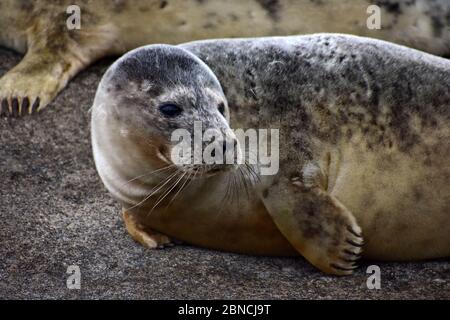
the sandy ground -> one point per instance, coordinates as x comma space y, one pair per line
54, 212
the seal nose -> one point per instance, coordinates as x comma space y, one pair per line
225, 145
229, 144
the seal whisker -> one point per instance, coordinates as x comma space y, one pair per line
244, 182
167, 192
227, 192
181, 188
149, 173
230, 188
236, 189
253, 171
251, 166
248, 177
239, 180
192, 179
246, 173
232, 185
159, 186
253, 175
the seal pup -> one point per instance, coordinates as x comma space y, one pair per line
55, 54
364, 134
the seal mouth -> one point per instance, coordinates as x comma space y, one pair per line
205, 170
160, 153
195, 171
217, 169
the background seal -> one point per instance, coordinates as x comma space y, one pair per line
55, 54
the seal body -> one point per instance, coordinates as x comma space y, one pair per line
55, 53
374, 118
364, 144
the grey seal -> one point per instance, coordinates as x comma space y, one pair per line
364, 144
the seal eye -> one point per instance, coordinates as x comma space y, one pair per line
170, 110
221, 108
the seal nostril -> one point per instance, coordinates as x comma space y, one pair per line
221, 108
224, 147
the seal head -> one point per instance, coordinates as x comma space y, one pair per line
159, 89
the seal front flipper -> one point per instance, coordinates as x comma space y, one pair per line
316, 224
145, 236
55, 54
